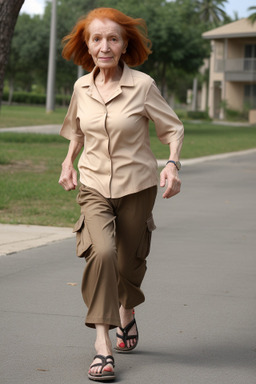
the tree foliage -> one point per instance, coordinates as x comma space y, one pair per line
252, 16
174, 27
211, 11
28, 58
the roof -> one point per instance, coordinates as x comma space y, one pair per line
239, 28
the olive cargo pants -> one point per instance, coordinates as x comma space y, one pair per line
113, 235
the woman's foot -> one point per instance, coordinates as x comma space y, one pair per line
125, 340
103, 350
104, 374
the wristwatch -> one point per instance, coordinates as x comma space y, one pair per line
176, 163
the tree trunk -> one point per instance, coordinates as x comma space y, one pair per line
9, 11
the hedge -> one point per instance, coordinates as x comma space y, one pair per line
200, 115
35, 98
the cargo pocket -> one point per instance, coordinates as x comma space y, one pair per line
83, 239
150, 228
151, 224
144, 247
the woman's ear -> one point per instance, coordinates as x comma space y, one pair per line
125, 47
88, 48
86, 40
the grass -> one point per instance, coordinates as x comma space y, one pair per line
30, 193
30, 166
205, 138
22, 116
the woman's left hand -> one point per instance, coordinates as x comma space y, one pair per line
170, 175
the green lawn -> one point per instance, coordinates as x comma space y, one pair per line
30, 166
30, 193
22, 116
204, 139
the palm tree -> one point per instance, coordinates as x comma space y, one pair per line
252, 17
211, 11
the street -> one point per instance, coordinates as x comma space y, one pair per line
197, 325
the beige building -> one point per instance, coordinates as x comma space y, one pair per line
232, 79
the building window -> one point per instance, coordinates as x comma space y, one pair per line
250, 96
250, 57
219, 57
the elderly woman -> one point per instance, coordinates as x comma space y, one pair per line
109, 117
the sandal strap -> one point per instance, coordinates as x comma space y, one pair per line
104, 361
125, 331
128, 326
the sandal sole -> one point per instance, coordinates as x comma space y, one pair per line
101, 378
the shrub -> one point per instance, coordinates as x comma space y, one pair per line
234, 115
181, 113
35, 98
198, 115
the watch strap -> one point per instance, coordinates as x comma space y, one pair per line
173, 162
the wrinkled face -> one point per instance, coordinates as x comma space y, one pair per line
106, 43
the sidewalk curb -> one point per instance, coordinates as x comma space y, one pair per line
198, 160
42, 129
16, 238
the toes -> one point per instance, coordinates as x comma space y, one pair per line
131, 343
108, 368
97, 370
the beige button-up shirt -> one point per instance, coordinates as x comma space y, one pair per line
117, 159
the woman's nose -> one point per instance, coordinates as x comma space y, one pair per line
104, 45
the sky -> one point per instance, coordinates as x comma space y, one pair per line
36, 7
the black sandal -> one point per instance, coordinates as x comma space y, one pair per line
126, 337
103, 375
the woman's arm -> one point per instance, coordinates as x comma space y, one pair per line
68, 177
169, 130
170, 172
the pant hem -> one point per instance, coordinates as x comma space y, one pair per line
113, 323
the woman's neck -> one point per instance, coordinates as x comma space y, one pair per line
110, 75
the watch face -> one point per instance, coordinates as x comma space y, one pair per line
178, 165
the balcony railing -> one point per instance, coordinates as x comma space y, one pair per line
235, 65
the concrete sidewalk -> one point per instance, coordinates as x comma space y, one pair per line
197, 325
16, 238
43, 129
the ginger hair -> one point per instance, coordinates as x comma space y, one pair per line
134, 32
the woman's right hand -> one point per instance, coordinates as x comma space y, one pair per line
68, 177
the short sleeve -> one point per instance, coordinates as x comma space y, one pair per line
168, 126
71, 126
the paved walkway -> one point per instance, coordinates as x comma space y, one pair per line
44, 129
16, 238
55, 128
197, 325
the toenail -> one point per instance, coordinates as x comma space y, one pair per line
122, 345
108, 369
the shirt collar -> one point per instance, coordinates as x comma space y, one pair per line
126, 78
